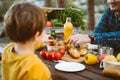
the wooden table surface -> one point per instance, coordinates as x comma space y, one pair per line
90, 73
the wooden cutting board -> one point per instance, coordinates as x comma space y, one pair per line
67, 57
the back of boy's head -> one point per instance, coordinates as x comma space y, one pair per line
23, 21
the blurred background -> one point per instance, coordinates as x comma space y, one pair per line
91, 9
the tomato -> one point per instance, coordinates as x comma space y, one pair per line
53, 52
49, 24
49, 55
62, 51
43, 53
56, 56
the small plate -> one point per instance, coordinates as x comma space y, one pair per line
69, 66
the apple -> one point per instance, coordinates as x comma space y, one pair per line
110, 58
118, 57
101, 57
49, 24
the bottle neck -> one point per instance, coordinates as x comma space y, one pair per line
68, 19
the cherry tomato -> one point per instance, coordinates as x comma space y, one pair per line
49, 55
56, 56
62, 51
43, 53
53, 52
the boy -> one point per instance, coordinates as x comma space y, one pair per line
24, 24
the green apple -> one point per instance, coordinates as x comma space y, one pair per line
110, 58
118, 57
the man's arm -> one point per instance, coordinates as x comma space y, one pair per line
102, 33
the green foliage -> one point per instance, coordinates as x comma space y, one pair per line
57, 22
4, 5
61, 15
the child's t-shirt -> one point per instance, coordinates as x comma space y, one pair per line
22, 66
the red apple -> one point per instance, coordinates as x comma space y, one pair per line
101, 57
49, 24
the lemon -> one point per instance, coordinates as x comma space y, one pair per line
118, 57
110, 58
38, 45
91, 59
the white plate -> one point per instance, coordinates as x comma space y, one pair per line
69, 66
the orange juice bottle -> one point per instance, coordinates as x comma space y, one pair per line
68, 28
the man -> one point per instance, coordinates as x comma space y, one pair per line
107, 31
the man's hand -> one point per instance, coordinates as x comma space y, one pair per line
79, 38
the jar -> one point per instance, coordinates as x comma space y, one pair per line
105, 50
53, 33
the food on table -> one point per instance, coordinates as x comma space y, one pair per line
118, 57
101, 57
62, 51
83, 51
56, 43
53, 42
110, 58
60, 43
43, 53
56, 56
111, 72
74, 52
90, 59
53, 54
84, 45
49, 55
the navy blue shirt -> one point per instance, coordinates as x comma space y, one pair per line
107, 31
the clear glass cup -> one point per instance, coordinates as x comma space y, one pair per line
105, 50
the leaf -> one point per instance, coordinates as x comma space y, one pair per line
56, 22
61, 15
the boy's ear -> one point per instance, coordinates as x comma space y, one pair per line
36, 37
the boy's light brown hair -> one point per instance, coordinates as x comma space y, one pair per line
23, 20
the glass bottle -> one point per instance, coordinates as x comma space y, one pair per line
53, 33
68, 28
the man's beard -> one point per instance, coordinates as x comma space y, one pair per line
115, 10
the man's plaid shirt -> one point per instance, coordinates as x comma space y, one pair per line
107, 31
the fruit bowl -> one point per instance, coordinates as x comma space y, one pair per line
112, 65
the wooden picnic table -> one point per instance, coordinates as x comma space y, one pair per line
90, 72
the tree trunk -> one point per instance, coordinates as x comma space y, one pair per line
91, 19
105, 1
61, 3
48, 3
